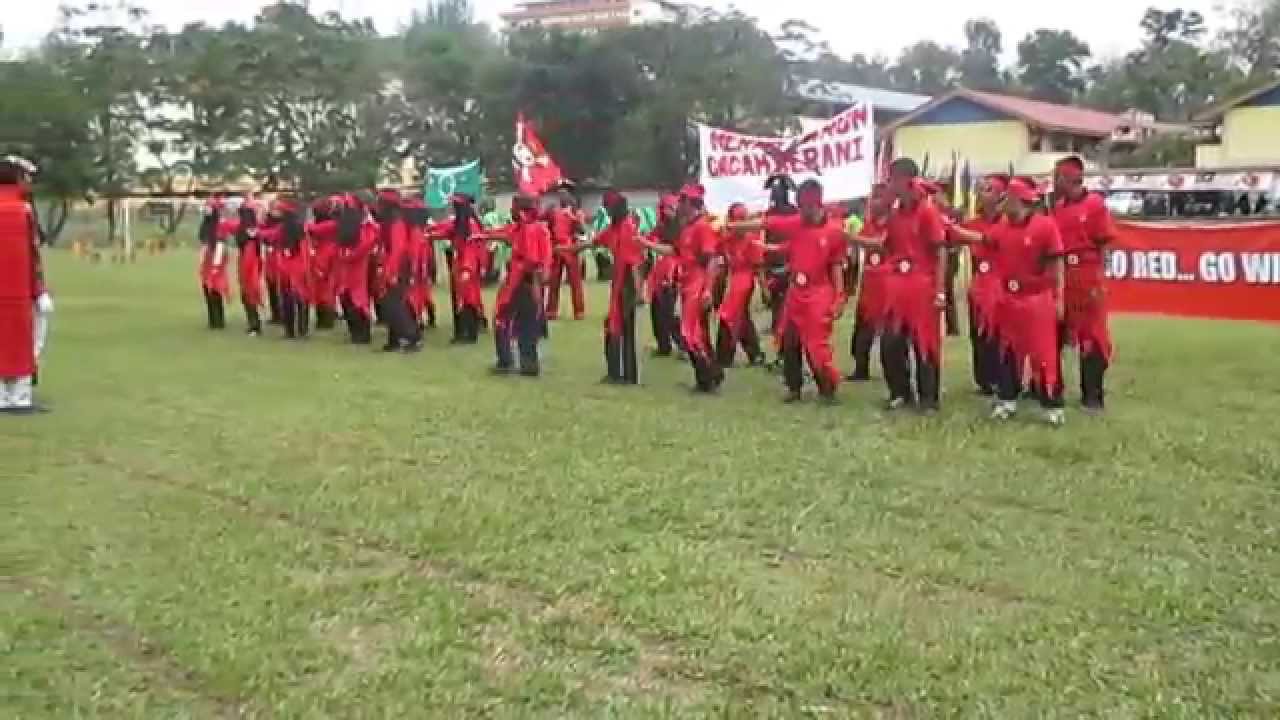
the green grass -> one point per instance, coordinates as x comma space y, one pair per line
210, 526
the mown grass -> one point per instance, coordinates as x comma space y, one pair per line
209, 526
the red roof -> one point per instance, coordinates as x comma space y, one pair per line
1064, 118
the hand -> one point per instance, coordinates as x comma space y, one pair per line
940, 301
44, 304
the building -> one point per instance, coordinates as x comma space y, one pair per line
821, 99
996, 132
1242, 133
590, 15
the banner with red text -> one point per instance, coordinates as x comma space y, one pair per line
1229, 271
840, 154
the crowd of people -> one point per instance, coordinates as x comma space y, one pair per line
1036, 289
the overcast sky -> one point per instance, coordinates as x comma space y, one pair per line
1109, 26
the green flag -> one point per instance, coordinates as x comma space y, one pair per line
444, 182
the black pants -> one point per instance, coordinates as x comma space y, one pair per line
604, 267
987, 358
620, 358
864, 337
707, 373
524, 326
1093, 374
274, 303
215, 309
950, 314
296, 315
359, 325
727, 346
466, 325
662, 314
777, 301
1010, 388
252, 318
793, 360
896, 351
402, 328
326, 317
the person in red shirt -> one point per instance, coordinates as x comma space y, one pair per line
213, 262
1086, 228
403, 334
621, 239
324, 248
815, 247
518, 311
780, 189
249, 266
468, 244
661, 286
567, 224
24, 300
744, 254
986, 288
289, 238
271, 267
357, 235
421, 296
697, 249
914, 241
872, 271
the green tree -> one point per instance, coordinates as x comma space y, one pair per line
980, 60
1254, 38
927, 67
1051, 65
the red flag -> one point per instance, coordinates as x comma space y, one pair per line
535, 171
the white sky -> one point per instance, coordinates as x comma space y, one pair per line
1109, 26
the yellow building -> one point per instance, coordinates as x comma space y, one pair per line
1245, 132
996, 132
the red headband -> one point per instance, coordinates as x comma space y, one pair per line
693, 191
738, 212
1071, 168
1023, 190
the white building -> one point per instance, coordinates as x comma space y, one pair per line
590, 15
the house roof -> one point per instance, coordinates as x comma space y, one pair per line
1214, 112
1063, 118
839, 92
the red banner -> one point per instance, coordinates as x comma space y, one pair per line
1229, 271
535, 171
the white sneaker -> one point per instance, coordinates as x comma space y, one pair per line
1056, 417
1004, 411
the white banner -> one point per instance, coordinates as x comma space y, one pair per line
840, 154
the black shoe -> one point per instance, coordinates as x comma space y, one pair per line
411, 348
501, 370
898, 403
858, 377
929, 409
390, 348
758, 361
661, 354
792, 397
33, 409
530, 372
610, 380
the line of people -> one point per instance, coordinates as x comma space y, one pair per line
1037, 283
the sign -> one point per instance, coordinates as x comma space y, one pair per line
1184, 181
442, 183
1229, 271
840, 154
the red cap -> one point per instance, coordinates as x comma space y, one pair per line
389, 196
669, 202
611, 198
738, 212
1023, 190
693, 191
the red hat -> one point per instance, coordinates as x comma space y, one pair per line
611, 198
389, 196
1023, 190
738, 212
669, 202
693, 191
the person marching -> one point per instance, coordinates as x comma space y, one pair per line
422, 297
621, 240
290, 239
324, 245
357, 235
567, 224
661, 285
271, 266
213, 263
744, 255
249, 266
780, 189
872, 271
24, 300
914, 239
1028, 256
466, 238
986, 288
698, 250
1086, 228
518, 311
397, 275
815, 247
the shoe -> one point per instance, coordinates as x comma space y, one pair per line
829, 399
984, 392
531, 373
792, 397
610, 380
1003, 411
660, 354
858, 377
896, 404
758, 361
411, 348
253, 333
501, 370
1055, 418
930, 410
390, 348
1094, 409
578, 316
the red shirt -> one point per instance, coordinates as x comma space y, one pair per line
1085, 226
984, 255
811, 250
530, 248
697, 243
1023, 253
564, 221
745, 253
620, 240
912, 237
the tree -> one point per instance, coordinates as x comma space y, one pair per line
1254, 38
980, 59
927, 68
1051, 65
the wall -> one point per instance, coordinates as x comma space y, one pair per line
988, 146
1251, 136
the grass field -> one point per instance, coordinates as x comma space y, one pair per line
215, 526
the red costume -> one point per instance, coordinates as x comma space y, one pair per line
421, 298
985, 292
744, 257
696, 248
815, 255
20, 285
1027, 319
468, 244
293, 253
661, 286
249, 265
356, 237
518, 310
213, 262
566, 223
397, 274
323, 280
621, 239
1085, 226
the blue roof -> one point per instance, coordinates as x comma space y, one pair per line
840, 93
